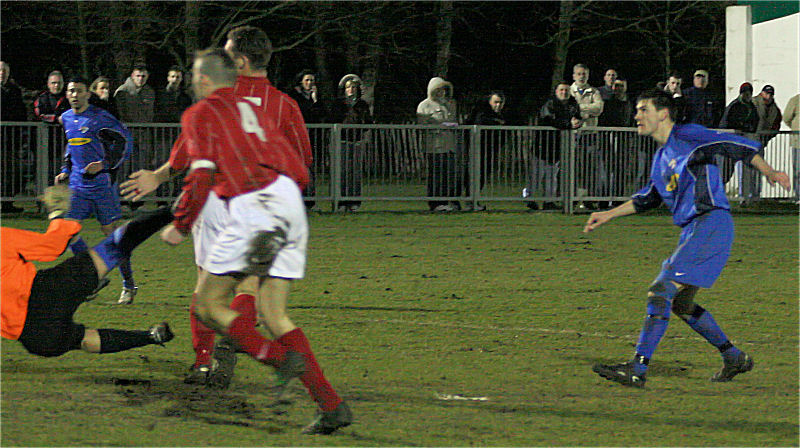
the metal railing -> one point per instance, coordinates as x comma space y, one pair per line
504, 166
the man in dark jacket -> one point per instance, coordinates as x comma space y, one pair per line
349, 108
314, 110
51, 103
701, 105
172, 100
488, 112
562, 112
13, 109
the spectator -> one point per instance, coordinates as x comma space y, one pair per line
769, 114
172, 100
588, 98
135, 103
591, 176
617, 109
562, 112
607, 91
51, 103
101, 95
488, 112
12, 110
741, 115
306, 95
441, 145
673, 85
791, 116
135, 99
701, 106
617, 112
349, 108
48, 107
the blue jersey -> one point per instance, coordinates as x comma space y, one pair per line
685, 176
94, 135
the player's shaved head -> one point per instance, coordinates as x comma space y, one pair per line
217, 65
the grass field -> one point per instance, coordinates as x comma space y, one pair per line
400, 307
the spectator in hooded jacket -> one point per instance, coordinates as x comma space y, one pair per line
349, 108
441, 145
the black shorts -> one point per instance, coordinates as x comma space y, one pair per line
56, 294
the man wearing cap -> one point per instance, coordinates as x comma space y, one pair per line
769, 115
741, 115
701, 106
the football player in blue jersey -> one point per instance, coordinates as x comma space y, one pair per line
97, 145
685, 178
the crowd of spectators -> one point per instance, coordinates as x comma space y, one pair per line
572, 106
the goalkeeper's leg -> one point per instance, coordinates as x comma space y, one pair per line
120, 244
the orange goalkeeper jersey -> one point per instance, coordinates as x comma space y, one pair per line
19, 248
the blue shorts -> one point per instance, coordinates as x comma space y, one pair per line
104, 204
702, 251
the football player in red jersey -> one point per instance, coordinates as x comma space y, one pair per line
251, 49
238, 155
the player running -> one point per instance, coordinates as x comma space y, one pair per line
244, 172
686, 179
251, 49
97, 145
38, 306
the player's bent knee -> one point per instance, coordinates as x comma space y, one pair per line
659, 298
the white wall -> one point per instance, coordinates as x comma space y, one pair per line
765, 53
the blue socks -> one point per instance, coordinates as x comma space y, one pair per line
78, 246
704, 324
109, 249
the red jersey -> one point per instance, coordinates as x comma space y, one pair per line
280, 107
19, 248
234, 148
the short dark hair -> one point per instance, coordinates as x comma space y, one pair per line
661, 100
79, 80
252, 43
175, 68
139, 66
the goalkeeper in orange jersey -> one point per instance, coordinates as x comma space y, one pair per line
37, 306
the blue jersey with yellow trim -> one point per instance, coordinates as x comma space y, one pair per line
684, 175
94, 135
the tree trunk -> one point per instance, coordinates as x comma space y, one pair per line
191, 22
83, 41
561, 50
444, 35
325, 84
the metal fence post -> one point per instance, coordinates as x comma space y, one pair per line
42, 157
567, 149
474, 165
336, 165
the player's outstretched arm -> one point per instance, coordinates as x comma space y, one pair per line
143, 182
772, 176
597, 219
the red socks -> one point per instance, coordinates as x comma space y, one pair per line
245, 305
318, 387
202, 337
245, 335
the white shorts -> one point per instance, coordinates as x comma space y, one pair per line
207, 227
246, 226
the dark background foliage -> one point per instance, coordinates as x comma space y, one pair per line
518, 47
